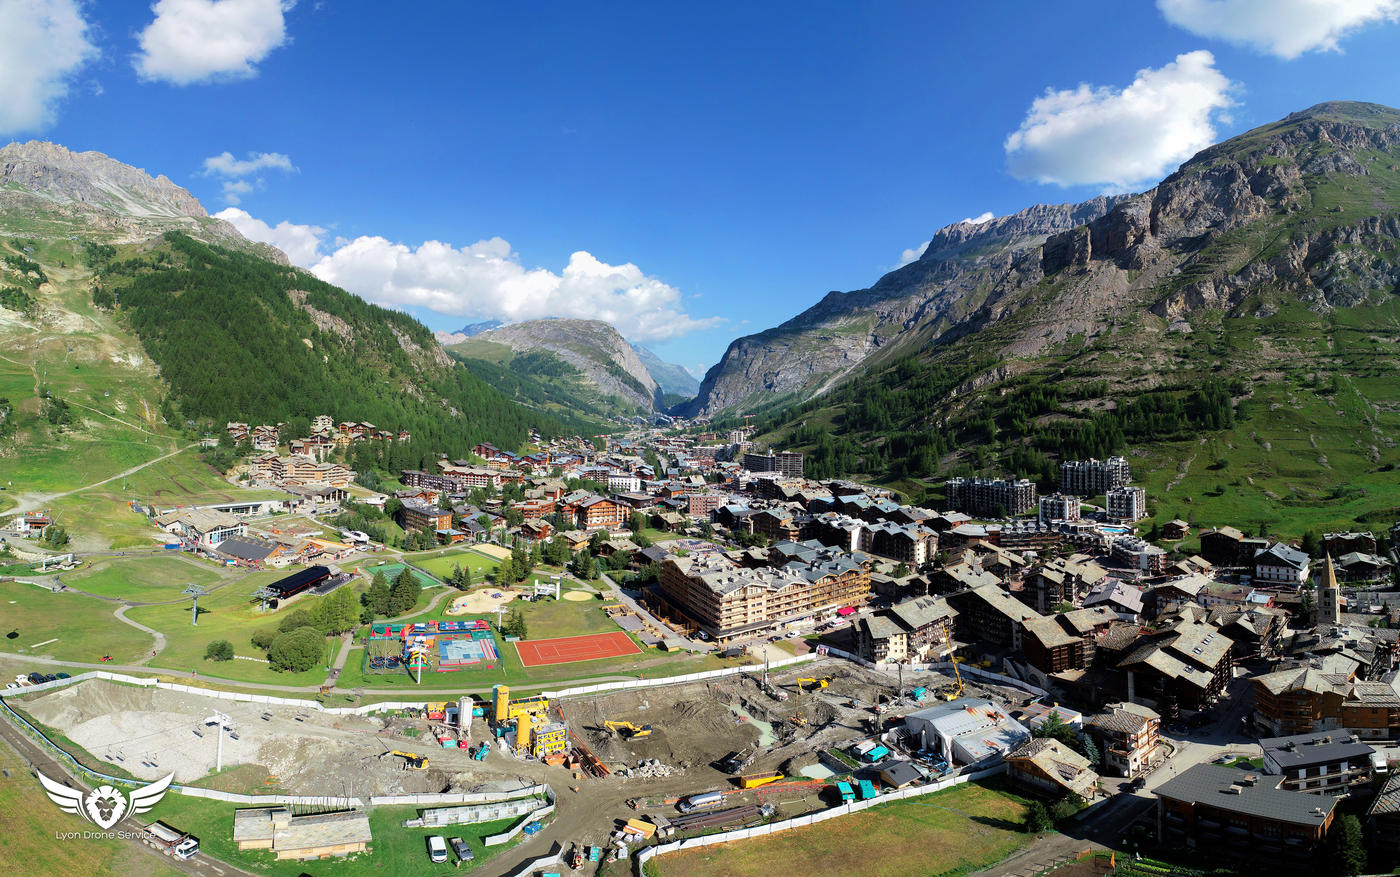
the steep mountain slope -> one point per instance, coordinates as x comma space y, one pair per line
591, 351
829, 340
1264, 272
674, 380
131, 323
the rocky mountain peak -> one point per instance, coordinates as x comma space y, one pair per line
94, 180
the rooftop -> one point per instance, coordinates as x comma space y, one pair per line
1227, 788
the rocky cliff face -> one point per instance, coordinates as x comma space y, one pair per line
93, 179
65, 192
593, 347
1305, 208
671, 378
828, 341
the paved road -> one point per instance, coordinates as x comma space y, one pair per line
39, 759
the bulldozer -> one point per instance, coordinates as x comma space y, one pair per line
628, 730
411, 761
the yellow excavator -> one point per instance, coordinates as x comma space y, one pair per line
629, 730
817, 684
410, 760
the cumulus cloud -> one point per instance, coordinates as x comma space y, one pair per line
225, 165
1285, 28
193, 41
487, 280
1121, 138
301, 243
981, 218
42, 44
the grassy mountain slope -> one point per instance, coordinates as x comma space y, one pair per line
126, 313
1265, 272
581, 365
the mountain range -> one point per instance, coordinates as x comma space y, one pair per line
1234, 328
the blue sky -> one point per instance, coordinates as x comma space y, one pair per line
692, 173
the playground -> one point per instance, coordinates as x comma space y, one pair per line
569, 649
436, 646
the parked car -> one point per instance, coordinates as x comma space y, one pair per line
437, 849
36, 678
12, 685
1139, 783
62, 676
464, 852
49, 677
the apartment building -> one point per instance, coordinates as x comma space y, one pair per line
911, 630
1239, 815
787, 464
1335, 763
990, 497
727, 600
1059, 507
416, 515
1125, 503
1140, 555
1093, 477
1129, 738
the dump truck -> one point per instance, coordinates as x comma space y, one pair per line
171, 841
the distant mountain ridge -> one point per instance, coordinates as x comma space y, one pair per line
674, 380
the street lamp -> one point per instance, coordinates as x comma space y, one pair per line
222, 721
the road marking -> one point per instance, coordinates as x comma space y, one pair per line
216, 869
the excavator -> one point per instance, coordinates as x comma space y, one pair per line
410, 760
628, 730
817, 684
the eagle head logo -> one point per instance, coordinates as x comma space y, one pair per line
105, 806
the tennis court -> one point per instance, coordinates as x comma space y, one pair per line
566, 650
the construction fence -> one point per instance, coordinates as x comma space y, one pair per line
381, 706
643, 856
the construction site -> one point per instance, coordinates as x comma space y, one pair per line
768, 745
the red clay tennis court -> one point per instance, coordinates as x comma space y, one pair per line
539, 652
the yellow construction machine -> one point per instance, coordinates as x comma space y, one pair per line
953, 658
629, 730
411, 761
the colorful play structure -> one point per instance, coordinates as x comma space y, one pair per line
454, 644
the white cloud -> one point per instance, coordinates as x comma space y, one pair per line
912, 254
1120, 139
487, 280
201, 40
301, 243
1286, 28
42, 44
981, 218
234, 190
225, 165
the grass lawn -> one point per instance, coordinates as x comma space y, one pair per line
83, 628
394, 849
30, 822
227, 613
392, 570
956, 831
441, 565
142, 579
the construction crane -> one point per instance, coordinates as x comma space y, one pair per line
411, 761
957, 674
628, 730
